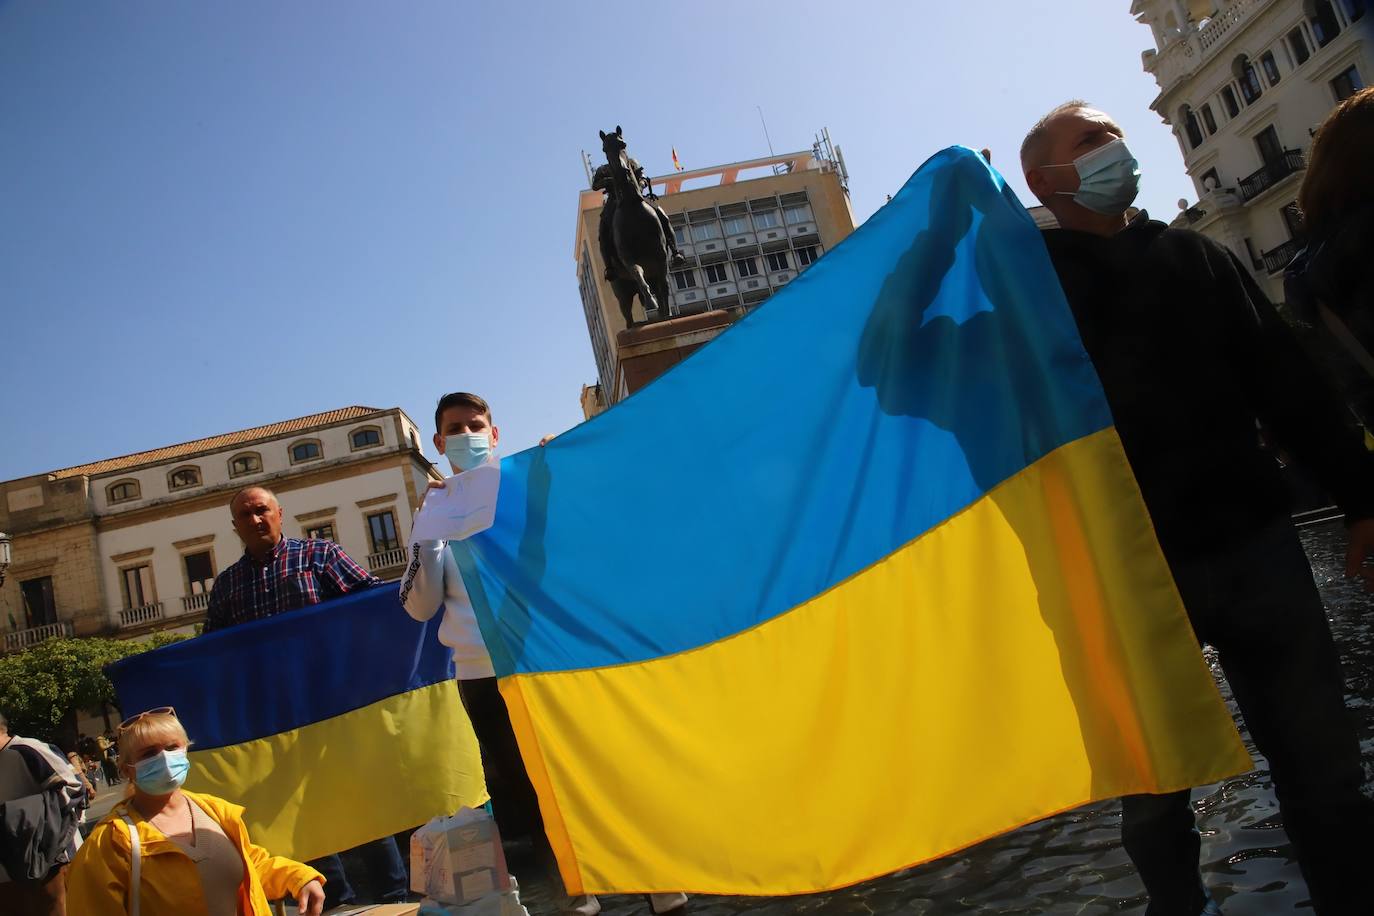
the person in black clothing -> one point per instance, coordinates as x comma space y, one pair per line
1332, 280
1191, 355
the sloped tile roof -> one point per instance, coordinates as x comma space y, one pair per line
214, 443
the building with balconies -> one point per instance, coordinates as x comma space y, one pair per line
1244, 84
746, 230
130, 546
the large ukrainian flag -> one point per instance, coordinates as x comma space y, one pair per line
332, 725
864, 581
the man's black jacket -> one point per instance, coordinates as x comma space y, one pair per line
1191, 354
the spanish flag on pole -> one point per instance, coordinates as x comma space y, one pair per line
903, 596
677, 165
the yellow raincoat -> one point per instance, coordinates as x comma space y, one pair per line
98, 880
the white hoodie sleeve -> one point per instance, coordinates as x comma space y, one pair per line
422, 587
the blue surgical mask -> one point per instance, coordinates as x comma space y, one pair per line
1108, 178
163, 774
466, 451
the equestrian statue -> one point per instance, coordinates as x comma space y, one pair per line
635, 237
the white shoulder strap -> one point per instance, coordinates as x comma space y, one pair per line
135, 865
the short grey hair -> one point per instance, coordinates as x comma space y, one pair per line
1033, 147
249, 489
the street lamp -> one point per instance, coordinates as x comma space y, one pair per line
4, 555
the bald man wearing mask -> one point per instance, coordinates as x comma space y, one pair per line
1192, 356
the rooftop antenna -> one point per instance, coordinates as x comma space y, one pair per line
587, 167
826, 150
765, 129
777, 169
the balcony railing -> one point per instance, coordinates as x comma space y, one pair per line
1271, 173
19, 640
192, 603
144, 613
1279, 258
386, 559
1184, 52
1224, 23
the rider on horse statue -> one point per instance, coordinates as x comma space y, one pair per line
635, 236
601, 181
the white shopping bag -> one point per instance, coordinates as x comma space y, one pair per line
458, 859
504, 903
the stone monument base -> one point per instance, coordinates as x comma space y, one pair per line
648, 350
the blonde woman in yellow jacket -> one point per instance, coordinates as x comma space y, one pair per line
167, 852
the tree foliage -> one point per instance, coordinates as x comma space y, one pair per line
43, 687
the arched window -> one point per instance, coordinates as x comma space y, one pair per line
121, 491
1244, 71
1325, 25
246, 463
1188, 121
305, 450
365, 437
183, 477
1297, 43
1209, 120
1271, 67
1229, 102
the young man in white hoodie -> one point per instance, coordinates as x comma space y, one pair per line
465, 435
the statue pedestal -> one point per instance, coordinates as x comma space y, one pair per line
649, 350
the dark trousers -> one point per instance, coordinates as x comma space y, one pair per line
1255, 603
386, 869
513, 797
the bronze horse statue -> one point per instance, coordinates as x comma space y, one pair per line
640, 246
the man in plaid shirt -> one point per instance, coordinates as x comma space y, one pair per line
277, 574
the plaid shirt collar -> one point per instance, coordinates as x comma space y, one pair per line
272, 555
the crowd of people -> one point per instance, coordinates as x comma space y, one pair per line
1193, 358
97, 759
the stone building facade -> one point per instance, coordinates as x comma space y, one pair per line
129, 546
55, 563
1244, 84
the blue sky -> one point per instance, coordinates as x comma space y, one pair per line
214, 216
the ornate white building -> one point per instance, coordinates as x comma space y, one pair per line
129, 546
1244, 83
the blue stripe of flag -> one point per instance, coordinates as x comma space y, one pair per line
922, 362
285, 672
